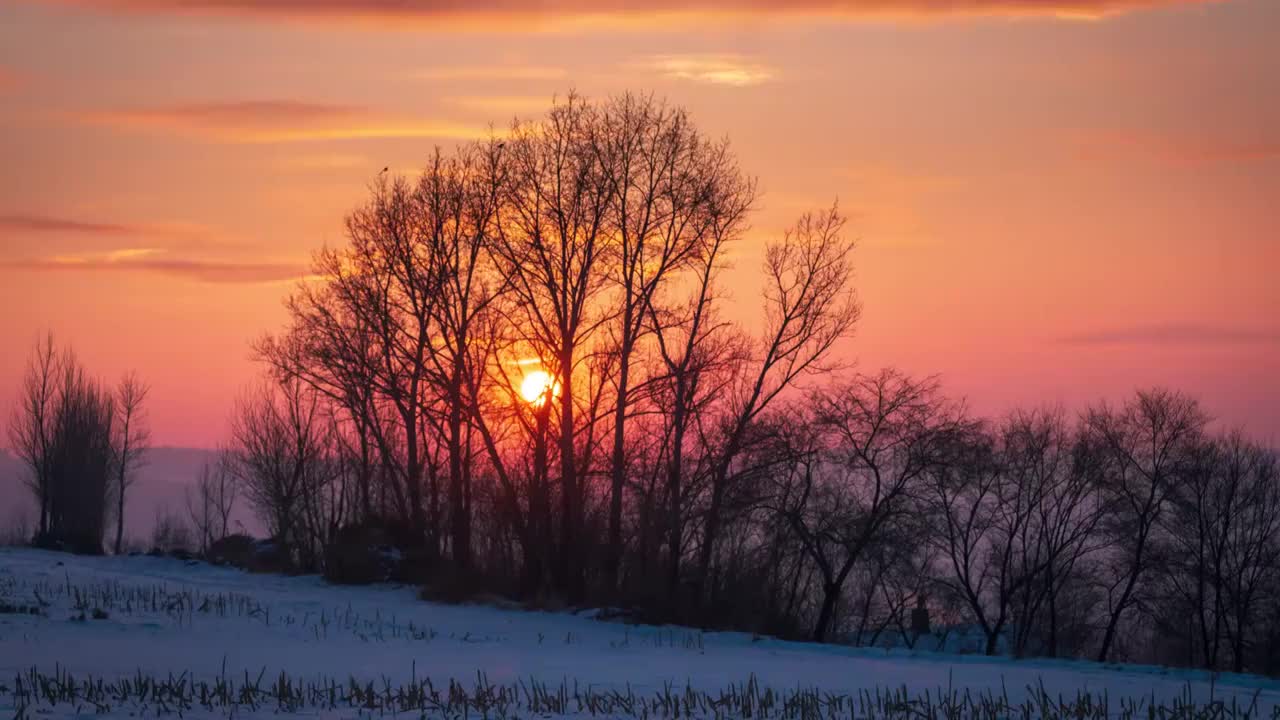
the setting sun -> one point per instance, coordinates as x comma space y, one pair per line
534, 386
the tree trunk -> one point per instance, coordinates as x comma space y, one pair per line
459, 524
413, 479
569, 548
120, 515
830, 593
538, 546
617, 470
1109, 637
1053, 614
709, 534
674, 490
993, 637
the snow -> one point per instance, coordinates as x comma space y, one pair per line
308, 628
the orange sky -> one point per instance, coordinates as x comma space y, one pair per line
1057, 200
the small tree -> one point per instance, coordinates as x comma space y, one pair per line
170, 533
211, 500
279, 440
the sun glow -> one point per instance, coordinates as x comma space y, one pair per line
535, 387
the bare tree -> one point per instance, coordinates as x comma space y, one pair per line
551, 241
459, 199
170, 533
1251, 556
1224, 528
132, 439
1043, 451
877, 439
670, 189
388, 275
279, 441
988, 499
211, 501
1147, 444
809, 305
364, 338
31, 427
698, 353
65, 429
81, 462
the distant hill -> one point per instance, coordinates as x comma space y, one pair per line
160, 487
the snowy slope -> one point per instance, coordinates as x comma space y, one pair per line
305, 627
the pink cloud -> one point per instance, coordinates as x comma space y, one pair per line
144, 260
1175, 149
490, 13
273, 121
23, 223
1175, 334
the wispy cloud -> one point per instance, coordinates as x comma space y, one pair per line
151, 260
554, 14
1174, 150
273, 121
325, 161
502, 105
1176, 334
20, 224
446, 73
716, 69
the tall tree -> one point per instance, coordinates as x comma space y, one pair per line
459, 200
877, 438
1043, 451
698, 351
552, 244
810, 304
133, 437
81, 462
669, 189
1147, 445
31, 427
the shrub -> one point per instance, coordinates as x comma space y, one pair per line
248, 553
360, 555
233, 550
170, 534
446, 584
70, 542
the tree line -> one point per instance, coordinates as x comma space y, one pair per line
519, 370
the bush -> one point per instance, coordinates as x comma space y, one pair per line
248, 553
446, 584
233, 550
361, 555
170, 534
69, 542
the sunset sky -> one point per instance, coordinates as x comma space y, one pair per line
1057, 200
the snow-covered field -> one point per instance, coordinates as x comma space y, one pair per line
165, 616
